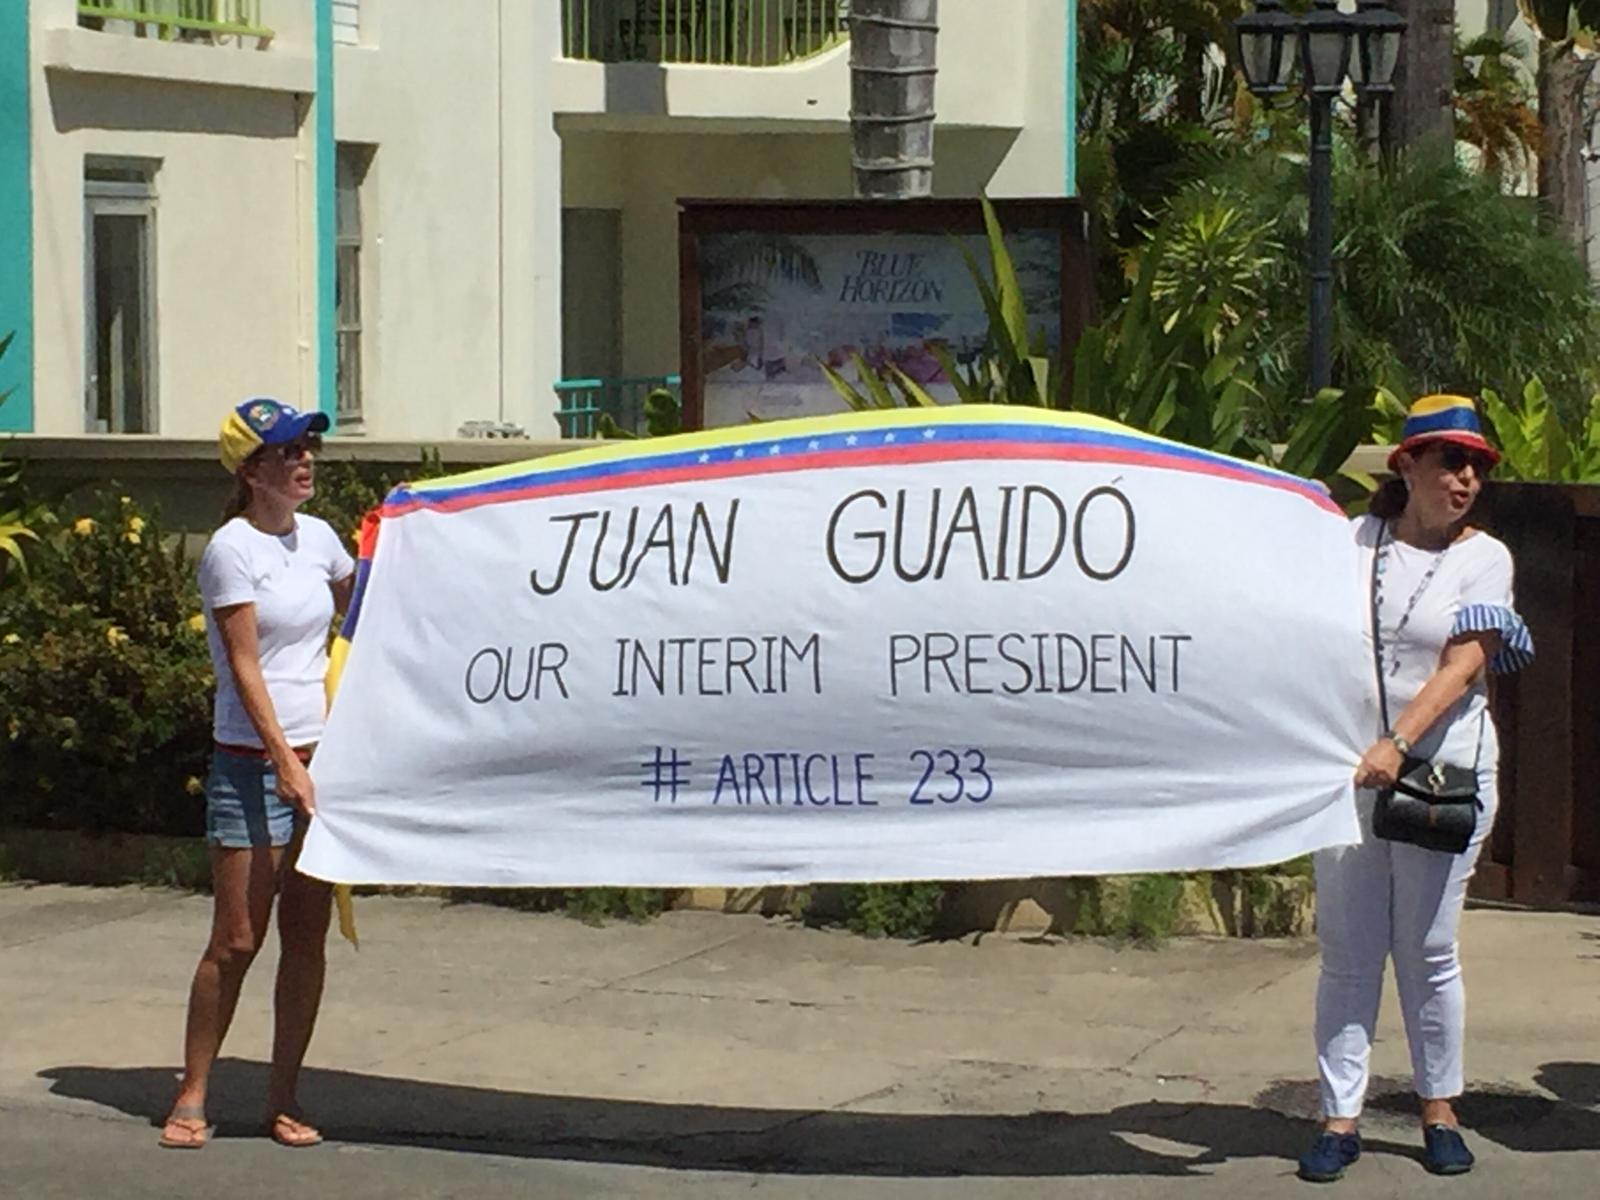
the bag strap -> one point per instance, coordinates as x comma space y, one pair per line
1377, 640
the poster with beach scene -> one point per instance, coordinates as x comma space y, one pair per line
776, 306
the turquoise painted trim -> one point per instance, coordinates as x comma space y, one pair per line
327, 197
16, 221
1071, 89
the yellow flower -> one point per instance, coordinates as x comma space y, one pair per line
13, 728
115, 635
84, 526
127, 499
197, 623
135, 524
12, 639
132, 538
194, 787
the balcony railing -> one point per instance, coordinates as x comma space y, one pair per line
734, 33
178, 20
583, 401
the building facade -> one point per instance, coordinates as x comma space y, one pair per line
422, 217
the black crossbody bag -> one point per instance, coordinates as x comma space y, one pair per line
1432, 805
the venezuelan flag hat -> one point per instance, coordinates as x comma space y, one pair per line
1443, 418
262, 422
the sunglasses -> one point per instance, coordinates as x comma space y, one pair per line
293, 452
1453, 457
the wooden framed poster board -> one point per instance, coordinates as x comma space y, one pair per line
771, 290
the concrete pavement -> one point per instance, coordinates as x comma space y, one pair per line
475, 1051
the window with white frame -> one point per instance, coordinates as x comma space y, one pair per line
119, 259
351, 168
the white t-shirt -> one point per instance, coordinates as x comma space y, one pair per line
286, 577
1470, 590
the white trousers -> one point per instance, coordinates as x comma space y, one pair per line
1380, 899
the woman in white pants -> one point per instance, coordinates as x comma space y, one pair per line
1445, 617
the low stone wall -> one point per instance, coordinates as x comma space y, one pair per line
1219, 904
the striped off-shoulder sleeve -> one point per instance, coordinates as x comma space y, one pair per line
1489, 605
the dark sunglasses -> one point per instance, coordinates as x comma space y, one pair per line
294, 451
1453, 457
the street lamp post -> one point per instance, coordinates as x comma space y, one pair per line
1329, 46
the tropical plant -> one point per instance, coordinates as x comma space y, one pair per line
1442, 282
1537, 444
663, 416
16, 514
1158, 104
104, 679
1494, 101
1175, 359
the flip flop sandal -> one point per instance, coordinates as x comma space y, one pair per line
275, 1127
192, 1121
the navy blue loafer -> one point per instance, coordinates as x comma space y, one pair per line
1329, 1155
1444, 1151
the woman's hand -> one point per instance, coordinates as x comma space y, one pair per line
295, 788
1380, 765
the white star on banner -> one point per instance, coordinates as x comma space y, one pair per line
739, 453
705, 458
814, 445
927, 433
775, 449
850, 440
888, 437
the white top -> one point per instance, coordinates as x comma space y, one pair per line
286, 577
1470, 591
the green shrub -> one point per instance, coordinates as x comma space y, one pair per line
898, 910
105, 680
592, 906
347, 491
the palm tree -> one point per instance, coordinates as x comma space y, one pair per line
736, 269
1563, 25
1494, 109
893, 64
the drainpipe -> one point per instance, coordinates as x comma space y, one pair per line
1070, 91
893, 66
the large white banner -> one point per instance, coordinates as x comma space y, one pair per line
959, 643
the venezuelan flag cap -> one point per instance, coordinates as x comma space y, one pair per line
259, 422
1444, 418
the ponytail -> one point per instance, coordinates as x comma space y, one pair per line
238, 500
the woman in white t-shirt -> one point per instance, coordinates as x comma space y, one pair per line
1445, 618
271, 581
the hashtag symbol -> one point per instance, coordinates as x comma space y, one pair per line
666, 774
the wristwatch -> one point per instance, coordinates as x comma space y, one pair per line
1400, 741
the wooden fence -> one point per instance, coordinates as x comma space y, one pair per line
1546, 844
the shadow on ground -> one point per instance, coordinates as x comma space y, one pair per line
1154, 1138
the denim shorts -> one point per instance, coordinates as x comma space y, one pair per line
242, 805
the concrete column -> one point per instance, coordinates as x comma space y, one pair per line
16, 219
530, 217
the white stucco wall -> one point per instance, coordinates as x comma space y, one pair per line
231, 214
466, 163
482, 134
1001, 129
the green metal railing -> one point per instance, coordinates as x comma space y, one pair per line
734, 33
623, 400
170, 19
